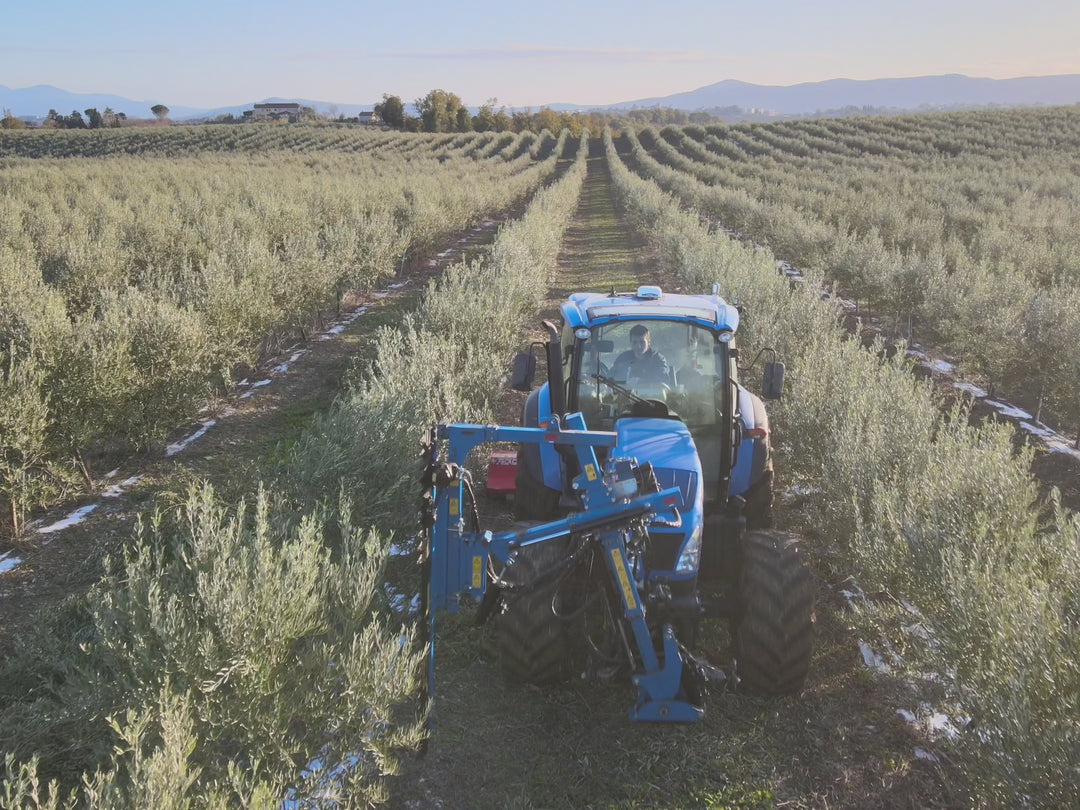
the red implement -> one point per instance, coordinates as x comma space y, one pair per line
502, 472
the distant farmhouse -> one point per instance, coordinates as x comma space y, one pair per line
278, 111
367, 118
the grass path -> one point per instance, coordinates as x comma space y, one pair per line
600, 250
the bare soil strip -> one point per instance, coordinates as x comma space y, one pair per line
841, 744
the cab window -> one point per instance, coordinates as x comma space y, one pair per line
669, 361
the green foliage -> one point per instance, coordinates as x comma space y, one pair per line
980, 316
132, 287
445, 362
488, 120
917, 505
28, 475
950, 224
438, 111
232, 647
169, 362
9, 121
463, 121
391, 111
21, 788
1051, 334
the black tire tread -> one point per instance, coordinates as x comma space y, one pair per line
774, 638
530, 638
759, 502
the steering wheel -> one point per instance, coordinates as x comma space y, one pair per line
619, 388
622, 389
656, 408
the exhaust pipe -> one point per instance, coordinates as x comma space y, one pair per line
556, 383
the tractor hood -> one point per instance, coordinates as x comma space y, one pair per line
668, 446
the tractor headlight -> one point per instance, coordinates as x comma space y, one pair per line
690, 558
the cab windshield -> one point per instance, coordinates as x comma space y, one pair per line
629, 361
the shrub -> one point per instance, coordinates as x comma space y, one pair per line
231, 647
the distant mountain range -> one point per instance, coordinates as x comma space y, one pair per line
925, 92
901, 94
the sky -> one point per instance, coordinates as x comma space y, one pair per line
217, 53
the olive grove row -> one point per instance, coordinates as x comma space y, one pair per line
962, 229
132, 288
247, 655
912, 502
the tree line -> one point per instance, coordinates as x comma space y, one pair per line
90, 118
443, 111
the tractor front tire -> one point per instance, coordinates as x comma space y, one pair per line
531, 639
533, 500
774, 635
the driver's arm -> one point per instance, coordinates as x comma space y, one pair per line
621, 367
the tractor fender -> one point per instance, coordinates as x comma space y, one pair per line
541, 460
754, 458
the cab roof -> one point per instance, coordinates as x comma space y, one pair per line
595, 309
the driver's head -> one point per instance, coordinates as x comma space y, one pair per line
640, 340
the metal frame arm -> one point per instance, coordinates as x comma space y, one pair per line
457, 559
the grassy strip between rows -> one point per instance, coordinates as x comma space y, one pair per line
235, 645
940, 516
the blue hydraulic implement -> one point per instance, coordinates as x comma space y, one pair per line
457, 555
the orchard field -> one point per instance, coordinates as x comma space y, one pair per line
963, 230
238, 651
141, 273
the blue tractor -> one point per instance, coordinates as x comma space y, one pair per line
644, 483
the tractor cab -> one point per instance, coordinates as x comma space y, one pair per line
651, 354
639, 365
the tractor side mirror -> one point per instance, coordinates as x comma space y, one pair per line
772, 386
521, 379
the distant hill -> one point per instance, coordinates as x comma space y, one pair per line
35, 102
925, 92
935, 92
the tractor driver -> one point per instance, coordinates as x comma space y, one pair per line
641, 361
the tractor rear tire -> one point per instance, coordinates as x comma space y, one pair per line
774, 636
533, 500
531, 639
